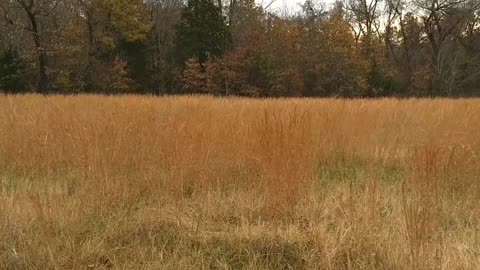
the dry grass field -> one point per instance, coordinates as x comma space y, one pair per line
90, 182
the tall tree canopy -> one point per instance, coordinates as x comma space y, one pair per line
202, 31
354, 48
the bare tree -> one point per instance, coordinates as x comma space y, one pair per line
366, 16
163, 15
443, 22
33, 10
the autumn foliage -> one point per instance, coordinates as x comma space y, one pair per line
351, 48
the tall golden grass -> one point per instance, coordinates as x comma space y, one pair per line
90, 182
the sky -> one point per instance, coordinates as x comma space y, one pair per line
281, 5
287, 6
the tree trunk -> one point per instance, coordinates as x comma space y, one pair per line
43, 82
92, 52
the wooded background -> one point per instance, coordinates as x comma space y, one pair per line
354, 48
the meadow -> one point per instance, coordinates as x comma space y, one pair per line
198, 182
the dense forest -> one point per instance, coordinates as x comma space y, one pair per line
353, 48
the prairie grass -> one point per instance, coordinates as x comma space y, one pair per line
91, 182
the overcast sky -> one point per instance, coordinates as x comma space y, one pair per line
281, 5
287, 6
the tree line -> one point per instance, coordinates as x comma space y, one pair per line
353, 48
